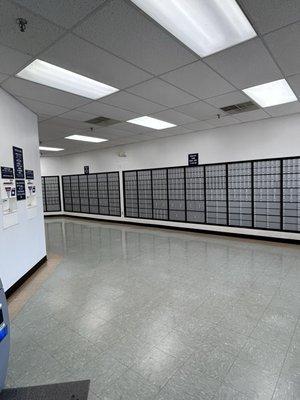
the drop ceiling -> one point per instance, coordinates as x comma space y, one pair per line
114, 42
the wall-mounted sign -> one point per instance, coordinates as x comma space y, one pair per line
21, 190
193, 159
7, 173
86, 169
29, 174
18, 162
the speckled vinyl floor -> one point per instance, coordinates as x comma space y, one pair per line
162, 315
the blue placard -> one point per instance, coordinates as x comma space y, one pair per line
86, 169
29, 174
21, 190
18, 162
7, 173
193, 159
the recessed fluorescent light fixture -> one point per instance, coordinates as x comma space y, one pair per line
50, 148
150, 122
59, 78
271, 94
86, 138
205, 26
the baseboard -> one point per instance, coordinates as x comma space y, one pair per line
24, 278
177, 228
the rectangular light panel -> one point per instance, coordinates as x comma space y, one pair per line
59, 78
50, 148
272, 93
82, 138
150, 122
205, 26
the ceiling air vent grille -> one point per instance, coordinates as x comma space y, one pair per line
240, 108
102, 121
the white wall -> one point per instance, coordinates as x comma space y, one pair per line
276, 137
21, 245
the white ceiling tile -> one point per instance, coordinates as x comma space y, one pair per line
3, 77
177, 130
72, 146
132, 128
148, 136
284, 109
22, 88
133, 103
162, 92
174, 117
127, 32
84, 58
254, 115
112, 133
294, 82
223, 121
11, 60
108, 111
268, 15
228, 99
76, 115
49, 130
65, 13
198, 126
39, 32
66, 124
199, 80
46, 134
245, 65
43, 117
41, 108
284, 44
199, 110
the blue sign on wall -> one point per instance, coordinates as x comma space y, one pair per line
7, 173
193, 159
29, 174
18, 162
21, 191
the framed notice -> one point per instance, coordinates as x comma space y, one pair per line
21, 191
29, 174
7, 173
18, 162
193, 159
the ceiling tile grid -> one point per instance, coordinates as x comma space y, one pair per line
114, 42
65, 13
147, 45
84, 58
199, 80
161, 92
133, 103
39, 34
247, 64
104, 110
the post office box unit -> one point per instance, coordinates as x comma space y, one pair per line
113, 185
291, 194
267, 194
216, 194
195, 194
240, 194
51, 193
144, 184
176, 194
130, 194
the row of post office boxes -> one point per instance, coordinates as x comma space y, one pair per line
193, 216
